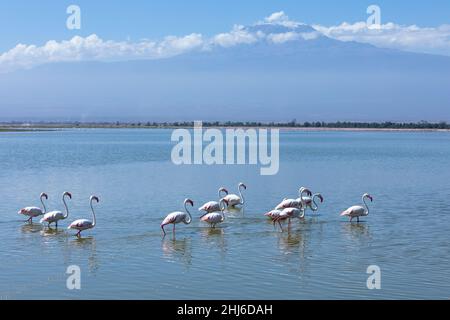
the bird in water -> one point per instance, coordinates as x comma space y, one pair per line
213, 206
178, 217
34, 212
214, 218
358, 211
55, 216
85, 224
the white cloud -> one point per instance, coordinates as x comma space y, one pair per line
390, 35
93, 48
236, 36
280, 18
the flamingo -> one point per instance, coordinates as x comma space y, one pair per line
84, 224
55, 216
214, 218
177, 217
233, 199
310, 201
287, 214
294, 203
358, 211
33, 212
213, 206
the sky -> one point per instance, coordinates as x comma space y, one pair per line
146, 44
35, 22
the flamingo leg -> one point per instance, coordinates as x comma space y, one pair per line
281, 227
357, 219
56, 224
78, 234
173, 231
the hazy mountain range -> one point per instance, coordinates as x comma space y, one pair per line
295, 72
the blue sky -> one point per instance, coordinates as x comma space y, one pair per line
136, 60
35, 22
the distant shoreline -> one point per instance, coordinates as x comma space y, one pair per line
305, 127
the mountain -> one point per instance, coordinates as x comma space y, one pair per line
310, 77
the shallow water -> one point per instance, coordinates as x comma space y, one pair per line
324, 256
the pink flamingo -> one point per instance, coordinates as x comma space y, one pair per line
178, 217
85, 224
55, 216
213, 206
287, 214
294, 203
358, 211
215, 218
234, 199
33, 212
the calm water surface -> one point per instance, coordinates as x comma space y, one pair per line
407, 233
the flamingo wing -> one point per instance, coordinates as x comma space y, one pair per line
213, 217
273, 214
353, 211
210, 206
52, 216
288, 203
174, 217
31, 211
80, 224
232, 199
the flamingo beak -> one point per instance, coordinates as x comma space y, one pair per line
371, 198
69, 194
191, 202
321, 199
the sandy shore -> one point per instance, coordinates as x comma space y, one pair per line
281, 128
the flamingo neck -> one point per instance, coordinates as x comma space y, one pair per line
94, 221
189, 214
302, 200
365, 204
65, 205
43, 204
240, 194
222, 210
314, 207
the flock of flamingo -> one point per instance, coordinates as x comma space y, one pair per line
213, 212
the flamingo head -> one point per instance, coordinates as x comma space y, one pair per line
189, 201
94, 198
222, 189
241, 185
305, 190
368, 196
320, 197
22, 211
68, 194
44, 195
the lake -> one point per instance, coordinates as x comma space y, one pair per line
407, 233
